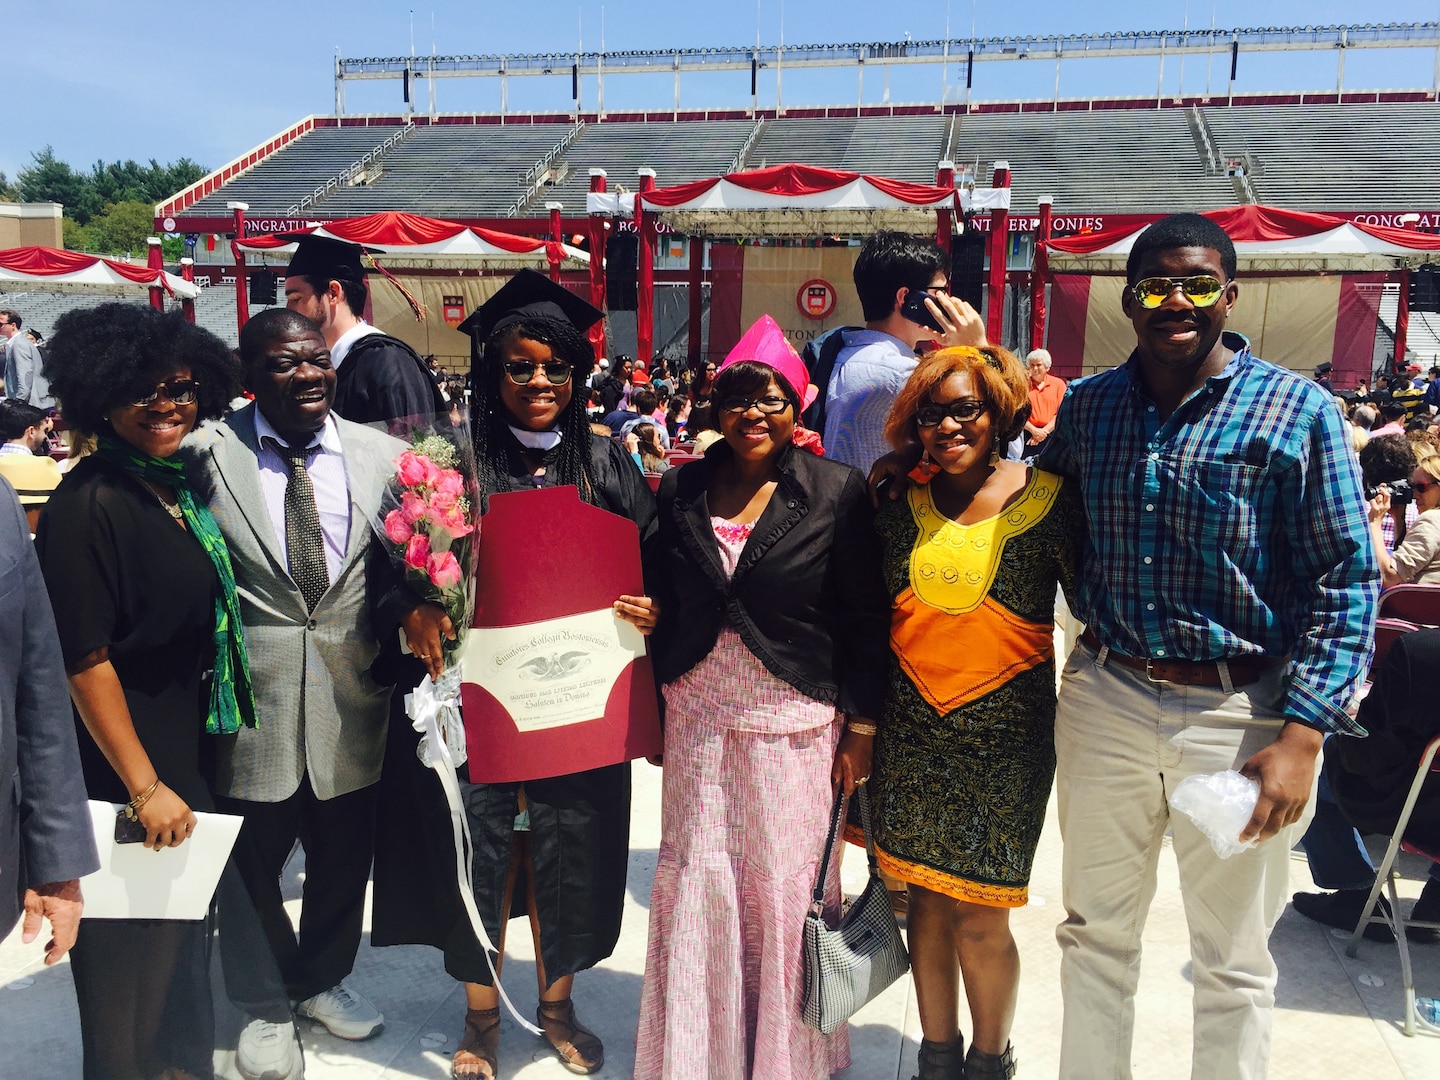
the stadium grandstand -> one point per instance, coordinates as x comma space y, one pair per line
1365, 155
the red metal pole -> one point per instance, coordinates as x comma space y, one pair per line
1041, 274
599, 223
945, 219
187, 273
999, 245
645, 308
242, 296
155, 260
1402, 321
554, 259
696, 286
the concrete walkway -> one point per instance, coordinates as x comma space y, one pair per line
1336, 1017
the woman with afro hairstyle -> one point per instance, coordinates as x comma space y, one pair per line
565, 865
146, 606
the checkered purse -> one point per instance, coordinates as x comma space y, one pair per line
849, 964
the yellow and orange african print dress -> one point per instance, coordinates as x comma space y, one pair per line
966, 754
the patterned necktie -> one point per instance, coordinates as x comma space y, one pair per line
304, 542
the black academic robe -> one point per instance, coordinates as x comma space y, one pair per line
579, 824
383, 380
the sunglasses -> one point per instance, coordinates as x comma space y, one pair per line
964, 411
177, 392
768, 406
1202, 290
1421, 487
521, 372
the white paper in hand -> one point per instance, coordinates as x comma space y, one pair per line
1220, 805
136, 882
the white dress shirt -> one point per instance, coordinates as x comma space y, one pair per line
343, 344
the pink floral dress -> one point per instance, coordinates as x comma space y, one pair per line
746, 803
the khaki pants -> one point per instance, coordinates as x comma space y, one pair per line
1122, 744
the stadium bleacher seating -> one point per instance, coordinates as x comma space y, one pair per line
289, 174
1336, 157
902, 147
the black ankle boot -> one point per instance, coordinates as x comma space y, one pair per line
942, 1061
979, 1066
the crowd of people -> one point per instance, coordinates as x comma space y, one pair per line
850, 581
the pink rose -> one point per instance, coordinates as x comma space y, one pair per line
417, 550
397, 528
441, 501
451, 483
412, 507
410, 468
451, 520
444, 570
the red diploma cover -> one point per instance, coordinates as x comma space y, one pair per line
554, 682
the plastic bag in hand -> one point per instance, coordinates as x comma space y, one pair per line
1220, 805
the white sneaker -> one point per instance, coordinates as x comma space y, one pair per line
345, 1014
268, 1051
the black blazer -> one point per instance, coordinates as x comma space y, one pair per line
807, 598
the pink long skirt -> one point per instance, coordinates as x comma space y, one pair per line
745, 817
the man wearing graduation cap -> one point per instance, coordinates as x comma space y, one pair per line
531, 361
379, 379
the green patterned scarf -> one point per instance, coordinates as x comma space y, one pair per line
232, 699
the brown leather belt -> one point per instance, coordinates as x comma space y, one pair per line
1244, 670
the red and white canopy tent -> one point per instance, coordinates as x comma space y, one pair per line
412, 242
796, 201
1269, 242
53, 270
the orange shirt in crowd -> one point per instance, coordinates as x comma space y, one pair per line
1045, 399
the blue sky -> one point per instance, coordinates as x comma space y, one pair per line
109, 79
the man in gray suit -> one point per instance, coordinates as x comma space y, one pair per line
295, 491
23, 378
46, 842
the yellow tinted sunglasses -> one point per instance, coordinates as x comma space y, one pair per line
1202, 290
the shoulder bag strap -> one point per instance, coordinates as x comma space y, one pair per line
818, 896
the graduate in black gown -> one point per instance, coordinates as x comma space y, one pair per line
565, 866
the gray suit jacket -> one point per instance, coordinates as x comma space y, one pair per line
24, 380
45, 832
319, 710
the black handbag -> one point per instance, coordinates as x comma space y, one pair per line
850, 964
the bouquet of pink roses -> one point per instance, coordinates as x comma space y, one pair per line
430, 525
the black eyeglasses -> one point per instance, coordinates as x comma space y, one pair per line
963, 410
1202, 290
1422, 487
521, 372
768, 406
176, 391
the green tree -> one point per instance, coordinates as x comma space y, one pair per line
8, 191
122, 227
48, 179
75, 236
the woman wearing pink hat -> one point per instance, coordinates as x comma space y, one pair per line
772, 648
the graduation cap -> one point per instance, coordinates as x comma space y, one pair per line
322, 256
529, 295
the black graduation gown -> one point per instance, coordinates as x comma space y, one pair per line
381, 380
579, 824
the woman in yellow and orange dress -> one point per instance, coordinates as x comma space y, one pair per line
965, 753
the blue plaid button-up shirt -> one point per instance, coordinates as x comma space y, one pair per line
1237, 526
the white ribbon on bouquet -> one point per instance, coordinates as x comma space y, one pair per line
434, 709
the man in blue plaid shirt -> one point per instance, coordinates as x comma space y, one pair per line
1228, 589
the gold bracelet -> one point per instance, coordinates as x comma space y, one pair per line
860, 728
132, 808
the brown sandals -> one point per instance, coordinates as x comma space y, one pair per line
578, 1047
480, 1046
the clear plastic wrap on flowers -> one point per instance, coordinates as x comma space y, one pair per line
1220, 805
429, 521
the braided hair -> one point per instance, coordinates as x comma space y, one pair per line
497, 456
